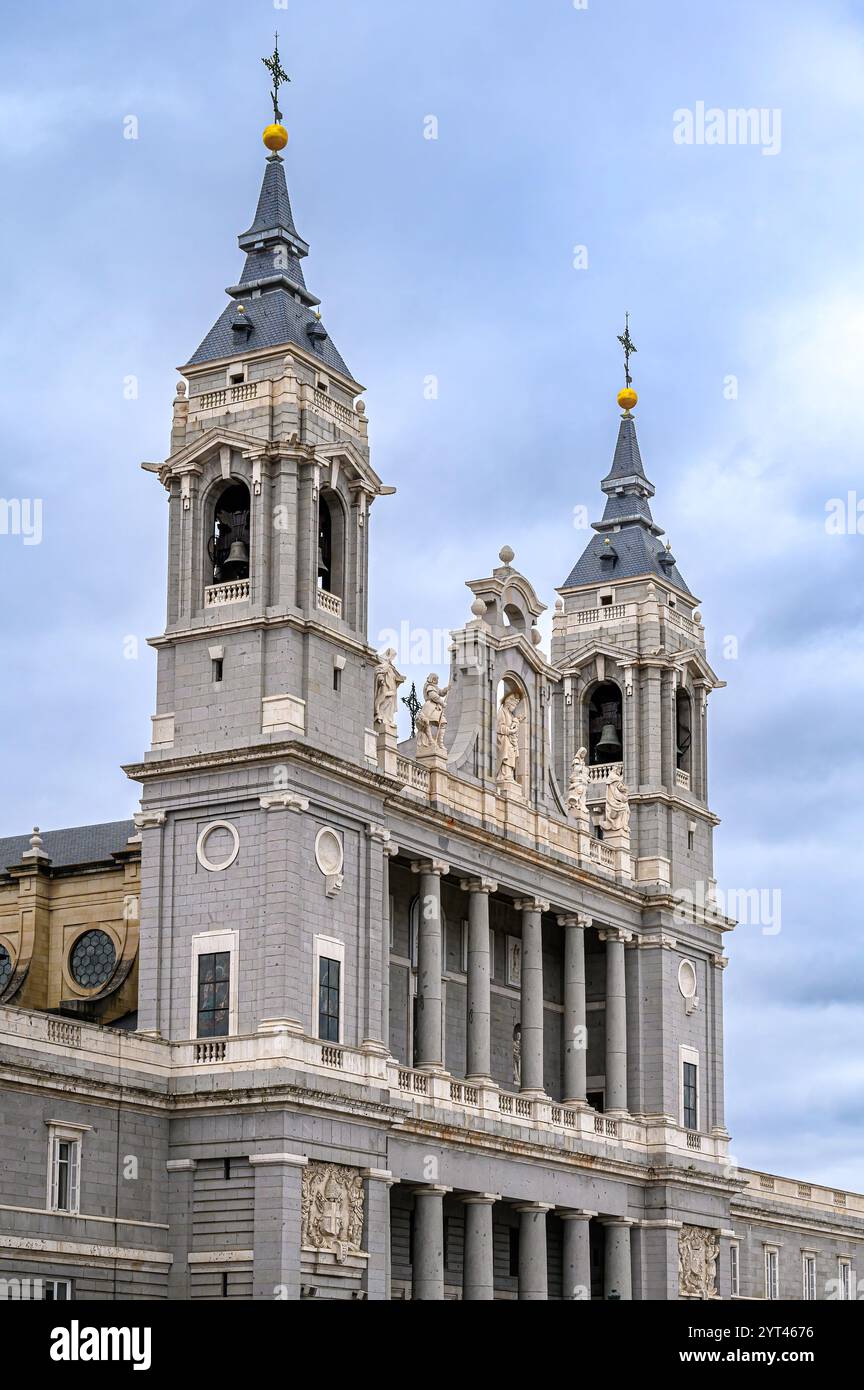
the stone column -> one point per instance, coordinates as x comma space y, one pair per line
478, 1272
278, 1201
616, 1021
478, 1029
430, 962
575, 1022
668, 687
533, 1284
427, 1272
376, 1232
618, 1278
532, 994
181, 1182
652, 715
576, 1267
377, 1023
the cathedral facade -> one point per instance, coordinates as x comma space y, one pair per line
345, 1017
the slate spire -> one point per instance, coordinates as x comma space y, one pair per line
627, 544
270, 304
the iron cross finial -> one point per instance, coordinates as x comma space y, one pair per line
414, 705
278, 76
629, 347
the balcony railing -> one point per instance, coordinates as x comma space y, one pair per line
236, 591
231, 395
682, 779
604, 772
610, 612
330, 603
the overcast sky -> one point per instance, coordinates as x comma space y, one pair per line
741, 266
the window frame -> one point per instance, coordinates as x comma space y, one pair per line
212, 943
688, 1056
844, 1278
734, 1269
771, 1261
808, 1265
327, 948
64, 1132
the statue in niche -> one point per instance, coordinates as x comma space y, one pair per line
578, 789
507, 738
431, 716
387, 683
698, 1249
331, 1209
517, 1054
617, 816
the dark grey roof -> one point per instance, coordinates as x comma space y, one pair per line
275, 318
637, 550
278, 309
628, 531
80, 844
274, 205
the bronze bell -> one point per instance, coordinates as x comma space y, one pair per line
237, 560
608, 745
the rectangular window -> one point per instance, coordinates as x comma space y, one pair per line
689, 1075
691, 839
808, 1273
734, 1270
772, 1277
217, 669
844, 1279
65, 1172
214, 994
329, 990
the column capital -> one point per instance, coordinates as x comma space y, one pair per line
572, 1215
616, 934
618, 1221
290, 1160
575, 919
430, 866
431, 1189
284, 801
378, 832
535, 1206
478, 885
486, 1199
379, 1175
531, 905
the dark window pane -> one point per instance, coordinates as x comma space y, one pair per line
214, 993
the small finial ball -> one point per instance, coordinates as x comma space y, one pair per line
478, 608
360, 407
275, 137
181, 389
627, 399
559, 605
506, 554
536, 636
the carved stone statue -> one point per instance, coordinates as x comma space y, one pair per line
432, 717
387, 683
617, 816
331, 1209
507, 739
698, 1249
517, 1055
578, 788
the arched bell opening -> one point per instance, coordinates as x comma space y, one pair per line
228, 540
331, 544
605, 724
683, 730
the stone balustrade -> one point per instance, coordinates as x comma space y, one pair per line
235, 591
604, 772
329, 603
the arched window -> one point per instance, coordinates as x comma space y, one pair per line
683, 730
605, 724
228, 538
331, 544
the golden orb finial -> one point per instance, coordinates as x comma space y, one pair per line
275, 137
627, 399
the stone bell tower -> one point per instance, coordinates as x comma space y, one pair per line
264, 669
269, 486
630, 646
